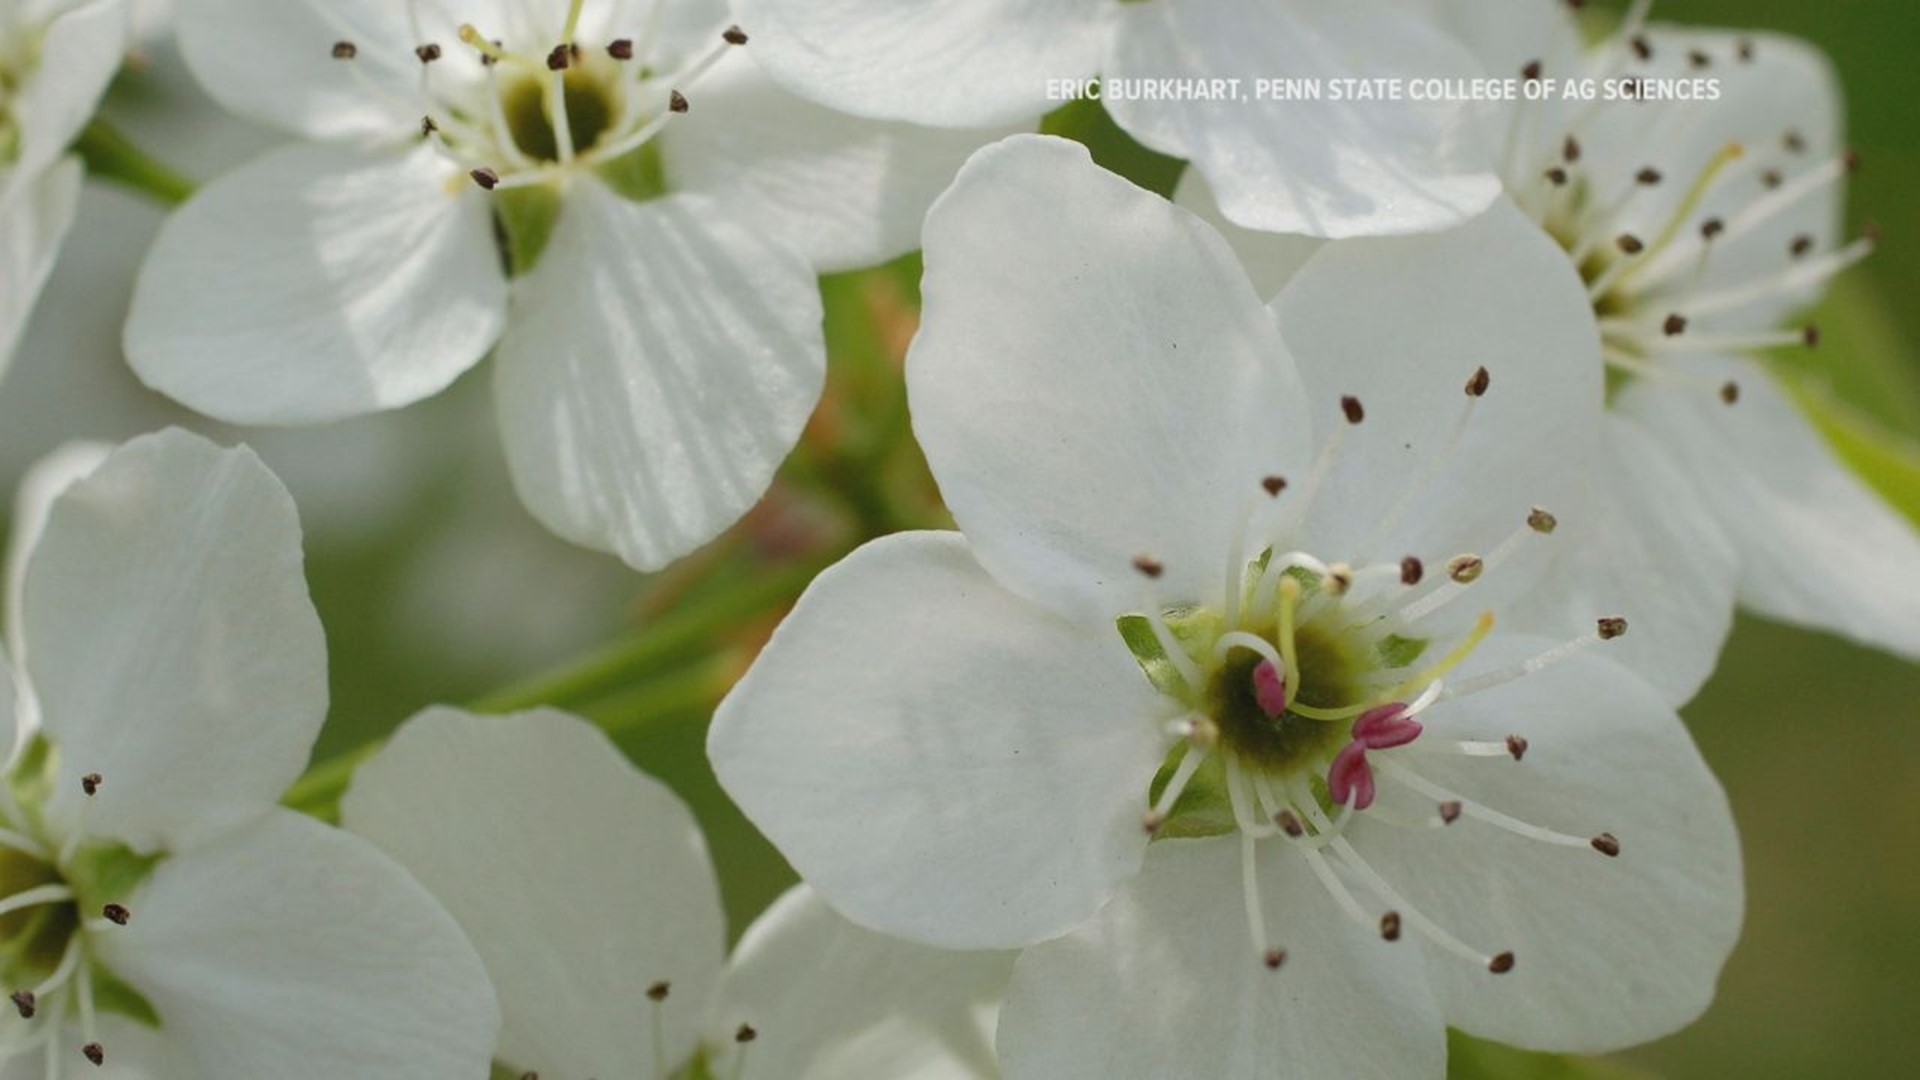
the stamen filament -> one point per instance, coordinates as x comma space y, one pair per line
1289, 604
34, 897
1797, 276
1386, 892
1689, 203
1478, 810
1501, 677
573, 22
557, 115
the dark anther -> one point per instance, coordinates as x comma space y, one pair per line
1711, 228
1149, 565
1540, 521
1501, 964
1517, 746
486, 178
733, 35
677, 102
1730, 392
621, 49
117, 914
1570, 150
91, 782
95, 1053
659, 991
427, 53
1450, 811
1772, 178
1274, 958
1630, 244
1274, 485
1478, 383
1411, 571
1350, 406
560, 59
488, 59
427, 126
1811, 336
1800, 246
1557, 176
1675, 325
1745, 50
745, 1034
1852, 160
1607, 845
1390, 926
345, 50
1794, 142
1532, 71
24, 1001
1642, 48
1611, 627
1648, 176
1699, 59
1289, 824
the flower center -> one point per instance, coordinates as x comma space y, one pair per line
591, 106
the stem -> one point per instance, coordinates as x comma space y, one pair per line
110, 155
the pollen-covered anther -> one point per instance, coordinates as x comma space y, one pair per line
1501, 964
345, 50
745, 1034
486, 178
1541, 521
1607, 844
1351, 408
1204, 734
24, 1001
1149, 566
1478, 383
1517, 746
90, 783
1675, 325
1289, 823
1411, 571
677, 102
1273, 958
428, 53
1630, 244
1339, 579
733, 35
95, 1053
1450, 811
1390, 926
117, 914
1273, 485
1152, 821
658, 991
1611, 627
1466, 569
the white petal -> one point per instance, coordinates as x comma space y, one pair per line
82, 49
927, 61
580, 880
660, 365
1609, 951
274, 63
316, 283
1648, 549
170, 641
47, 480
293, 950
1323, 168
941, 759
845, 192
9, 712
1094, 380
1165, 982
1817, 547
1270, 259
1401, 325
831, 1001
35, 214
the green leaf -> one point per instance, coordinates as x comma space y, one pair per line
1469, 1058
1887, 461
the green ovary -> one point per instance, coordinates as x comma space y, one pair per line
590, 112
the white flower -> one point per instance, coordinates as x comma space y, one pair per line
1698, 229
1252, 590
56, 58
664, 345
162, 911
1327, 167
586, 887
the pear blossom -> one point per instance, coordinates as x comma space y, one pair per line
1699, 228
606, 194
587, 888
164, 680
56, 58
1196, 79
1210, 704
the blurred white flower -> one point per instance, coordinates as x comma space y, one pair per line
56, 58
1345, 167
1698, 228
1253, 590
586, 887
658, 206
169, 676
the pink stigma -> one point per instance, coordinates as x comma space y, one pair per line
1350, 779
1385, 727
1270, 689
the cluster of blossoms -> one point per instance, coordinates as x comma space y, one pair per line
1335, 540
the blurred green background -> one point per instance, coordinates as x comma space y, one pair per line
434, 587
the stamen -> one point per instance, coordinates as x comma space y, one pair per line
557, 105
1191, 757
1605, 630
1804, 275
1716, 343
657, 997
1479, 811
345, 50
1391, 897
1250, 895
34, 897
1431, 468
572, 27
